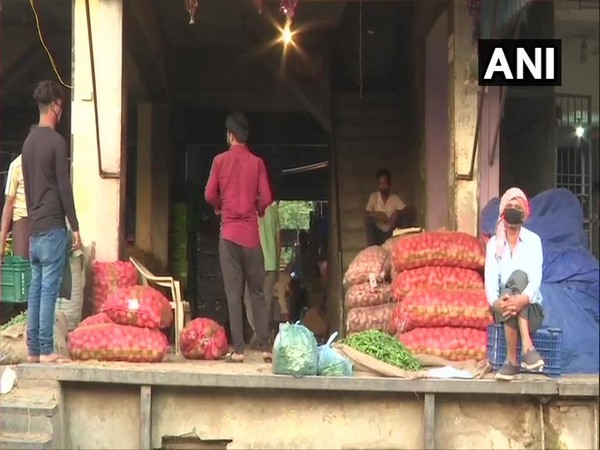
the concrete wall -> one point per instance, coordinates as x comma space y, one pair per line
154, 161
107, 416
97, 199
436, 124
528, 142
581, 78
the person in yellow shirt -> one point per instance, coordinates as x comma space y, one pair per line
15, 211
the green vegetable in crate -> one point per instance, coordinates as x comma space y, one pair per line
330, 363
295, 351
385, 348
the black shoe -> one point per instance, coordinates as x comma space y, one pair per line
508, 372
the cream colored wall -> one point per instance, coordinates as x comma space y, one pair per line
98, 200
463, 204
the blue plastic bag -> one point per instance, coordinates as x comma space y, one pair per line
295, 351
331, 363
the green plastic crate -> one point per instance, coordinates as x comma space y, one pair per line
16, 278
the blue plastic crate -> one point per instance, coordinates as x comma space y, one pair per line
547, 341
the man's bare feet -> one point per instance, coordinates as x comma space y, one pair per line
33, 359
53, 358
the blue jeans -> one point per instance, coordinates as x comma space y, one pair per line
47, 254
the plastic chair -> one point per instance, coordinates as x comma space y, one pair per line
180, 307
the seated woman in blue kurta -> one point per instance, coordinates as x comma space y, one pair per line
513, 275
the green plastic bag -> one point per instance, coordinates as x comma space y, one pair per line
330, 363
295, 351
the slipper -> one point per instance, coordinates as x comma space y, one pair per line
267, 357
54, 359
33, 359
229, 358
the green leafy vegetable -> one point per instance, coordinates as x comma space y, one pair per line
17, 320
385, 348
331, 363
295, 351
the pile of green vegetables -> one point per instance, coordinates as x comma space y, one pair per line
295, 351
17, 320
385, 348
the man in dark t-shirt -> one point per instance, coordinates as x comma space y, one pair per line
49, 197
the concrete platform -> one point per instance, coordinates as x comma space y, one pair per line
121, 405
257, 375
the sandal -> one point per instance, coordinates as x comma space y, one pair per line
54, 359
234, 358
33, 359
267, 357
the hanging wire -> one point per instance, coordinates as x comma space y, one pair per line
50, 57
360, 39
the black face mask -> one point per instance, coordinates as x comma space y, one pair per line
513, 216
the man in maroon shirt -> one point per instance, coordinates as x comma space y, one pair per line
238, 189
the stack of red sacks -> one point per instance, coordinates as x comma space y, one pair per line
127, 329
110, 276
441, 306
368, 292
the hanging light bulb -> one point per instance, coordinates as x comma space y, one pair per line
191, 6
287, 37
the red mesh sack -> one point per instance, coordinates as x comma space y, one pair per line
369, 318
114, 342
438, 248
435, 277
442, 308
95, 320
453, 344
110, 276
203, 339
365, 295
370, 265
140, 306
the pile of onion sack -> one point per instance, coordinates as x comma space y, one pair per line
203, 338
110, 276
368, 292
127, 329
441, 309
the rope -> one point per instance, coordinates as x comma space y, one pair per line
41, 37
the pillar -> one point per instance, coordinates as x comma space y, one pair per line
153, 180
97, 198
462, 56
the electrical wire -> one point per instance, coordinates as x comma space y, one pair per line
360, 39
50, 57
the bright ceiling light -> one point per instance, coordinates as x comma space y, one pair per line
287, 37
579, 131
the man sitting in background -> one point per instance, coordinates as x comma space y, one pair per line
384, 212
